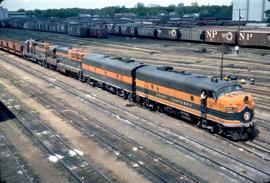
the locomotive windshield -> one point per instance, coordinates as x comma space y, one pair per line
229, 89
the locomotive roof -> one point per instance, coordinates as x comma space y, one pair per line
180, 79
115, 62
62, 48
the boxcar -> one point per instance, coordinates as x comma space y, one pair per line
147, 32
98, 32
61, 28
191, 34
257, 38
167, 33
215, 34
116, 29
129, 29
78, 30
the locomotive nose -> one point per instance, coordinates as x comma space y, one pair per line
239, 100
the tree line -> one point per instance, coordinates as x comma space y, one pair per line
221, 12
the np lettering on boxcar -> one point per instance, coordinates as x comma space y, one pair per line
211, 34
215, 34
245, 36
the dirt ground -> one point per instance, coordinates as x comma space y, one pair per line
35, 158
91, 149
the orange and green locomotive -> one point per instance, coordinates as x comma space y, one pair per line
221, 106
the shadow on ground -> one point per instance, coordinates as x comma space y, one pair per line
5, 113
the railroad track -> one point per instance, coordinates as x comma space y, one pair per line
38, 73
81, 169
68, 89
67, 40
12, 168
114, 40
157, 169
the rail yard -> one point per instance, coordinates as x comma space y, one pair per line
55, 128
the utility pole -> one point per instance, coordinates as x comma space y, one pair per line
239, 24
222, 57
223, 36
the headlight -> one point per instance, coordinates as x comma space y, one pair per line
231, 109
246, 116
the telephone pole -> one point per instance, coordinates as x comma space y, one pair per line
239, 24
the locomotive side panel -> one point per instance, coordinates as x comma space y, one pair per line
111, 71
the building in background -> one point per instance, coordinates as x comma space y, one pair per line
250, 10
3, 13
16, 14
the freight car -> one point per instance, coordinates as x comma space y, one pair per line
220, 106
258, 37
208, 34
129, 30
4, 44
219, 35
77, 30
115, 29
191, 34
150, 32
168, 33
98, 32
15, 47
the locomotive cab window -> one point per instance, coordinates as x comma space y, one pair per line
229, 89
211, 94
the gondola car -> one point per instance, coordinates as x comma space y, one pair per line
5, 44
228, 109
15, 48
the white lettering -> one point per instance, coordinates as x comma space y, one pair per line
242, 36
249, 36
245, 36
211, 34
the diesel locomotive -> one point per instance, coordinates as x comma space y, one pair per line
221, 106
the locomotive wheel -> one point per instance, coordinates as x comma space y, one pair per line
89, 81
236, 136
215, 129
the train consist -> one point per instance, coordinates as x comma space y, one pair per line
220, 106
246, 37
71, 28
